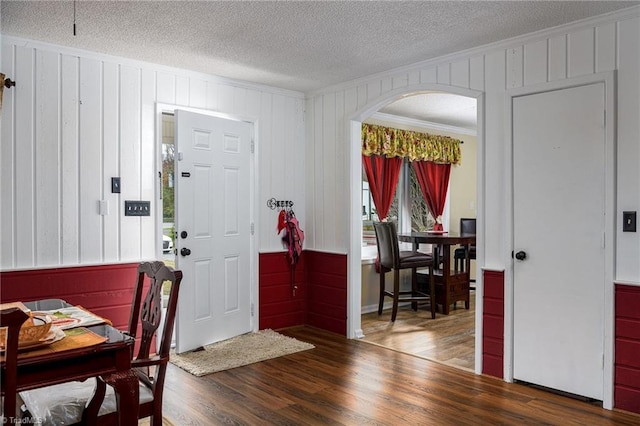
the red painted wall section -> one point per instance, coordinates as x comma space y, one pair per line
493, 324
327, 294
627, 348
280, 304
320, 299
106, 290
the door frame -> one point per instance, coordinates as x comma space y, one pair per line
253, 201
609, 80
353, 130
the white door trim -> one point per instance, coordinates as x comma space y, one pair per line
609, 80
170, 108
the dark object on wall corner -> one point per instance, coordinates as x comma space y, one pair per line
6, 82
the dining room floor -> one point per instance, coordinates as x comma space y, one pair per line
449, 339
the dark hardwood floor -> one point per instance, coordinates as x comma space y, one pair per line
449, 339
349, 382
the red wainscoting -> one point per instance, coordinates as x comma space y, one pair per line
493, 324
320, 299
279, 306
106, 290
327, 295
627, 348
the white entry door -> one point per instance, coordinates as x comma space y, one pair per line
559, 223
213, 228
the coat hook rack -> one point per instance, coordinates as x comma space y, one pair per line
8, 83
274, 204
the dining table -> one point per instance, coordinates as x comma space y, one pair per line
451, 285
93, 348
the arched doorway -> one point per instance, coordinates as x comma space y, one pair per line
354, 326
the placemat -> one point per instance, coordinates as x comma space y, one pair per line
75, 338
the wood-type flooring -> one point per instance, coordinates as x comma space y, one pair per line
350, 382
449, 339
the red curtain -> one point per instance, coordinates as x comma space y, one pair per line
434, 181
382, 174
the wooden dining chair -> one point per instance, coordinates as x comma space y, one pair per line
150, 368
12, 318
392, 259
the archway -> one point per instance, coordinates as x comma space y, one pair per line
354, 290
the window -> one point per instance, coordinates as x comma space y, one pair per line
408, 205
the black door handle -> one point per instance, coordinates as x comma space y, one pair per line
521, 255
185, 251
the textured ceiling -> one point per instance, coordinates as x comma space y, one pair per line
297, 45
302, 46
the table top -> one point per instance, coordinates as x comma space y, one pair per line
78, 346
445, 238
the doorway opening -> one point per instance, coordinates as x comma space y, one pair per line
168, 190
450, 339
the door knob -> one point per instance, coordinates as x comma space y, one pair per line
185, 251
521, 255
183, 234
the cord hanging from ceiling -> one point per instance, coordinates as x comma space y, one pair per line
74, 17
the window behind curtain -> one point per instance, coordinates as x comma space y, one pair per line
421, 219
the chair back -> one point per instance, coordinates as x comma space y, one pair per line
12, 318
388, 247
146, 314
152, 370
467, 225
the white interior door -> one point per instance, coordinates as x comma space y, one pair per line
559, 205
213, 227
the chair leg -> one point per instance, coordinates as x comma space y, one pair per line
432, 292
382, 284
396, 293
414, 287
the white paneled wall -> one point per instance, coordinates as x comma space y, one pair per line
607, 43
76, 119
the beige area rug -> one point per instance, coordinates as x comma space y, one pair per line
238, 351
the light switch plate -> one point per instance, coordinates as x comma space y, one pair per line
137, 208
628, 221
115, 185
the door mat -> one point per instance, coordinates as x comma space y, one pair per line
238, 351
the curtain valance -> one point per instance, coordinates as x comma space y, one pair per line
416, 146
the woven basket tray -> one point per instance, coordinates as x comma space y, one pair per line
34, 329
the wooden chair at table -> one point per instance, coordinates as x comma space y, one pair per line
12, 318
150, 369
392, 259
